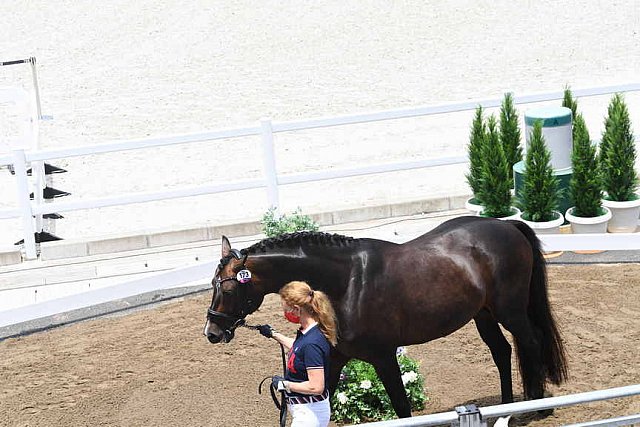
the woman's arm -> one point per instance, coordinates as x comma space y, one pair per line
315, 385
284, 340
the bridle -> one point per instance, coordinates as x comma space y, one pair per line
243, 283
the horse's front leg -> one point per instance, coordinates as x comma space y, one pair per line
386, 365
338, 360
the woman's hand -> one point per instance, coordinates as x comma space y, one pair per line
266, 331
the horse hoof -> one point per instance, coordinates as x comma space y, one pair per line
545, 412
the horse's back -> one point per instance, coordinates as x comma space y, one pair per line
474, 232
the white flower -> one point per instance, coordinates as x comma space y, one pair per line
502, 422
409, 377
342, 398
365, 384
401, 351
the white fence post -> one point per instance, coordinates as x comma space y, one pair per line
22, 183
269, 159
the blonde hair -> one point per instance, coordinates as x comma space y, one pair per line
316, 303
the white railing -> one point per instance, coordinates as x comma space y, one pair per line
21, 158
477, 417
199, 272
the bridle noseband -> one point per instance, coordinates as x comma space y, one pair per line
243, 282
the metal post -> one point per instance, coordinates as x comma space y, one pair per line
22, 182
269, 159
469, 416
37, 172
34, 75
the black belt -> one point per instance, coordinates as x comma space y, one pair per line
295, 400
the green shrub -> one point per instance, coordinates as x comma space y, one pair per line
360, 395
585, 186
570, 102
495, 183
607, 134
477, 137
538, 198
510, 133
618, 153
274, 224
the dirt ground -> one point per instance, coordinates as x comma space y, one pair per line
154, 367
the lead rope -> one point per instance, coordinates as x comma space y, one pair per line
282, 404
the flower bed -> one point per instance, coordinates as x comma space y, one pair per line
360, 395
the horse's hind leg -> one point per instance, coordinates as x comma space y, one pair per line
528, 346
500, 351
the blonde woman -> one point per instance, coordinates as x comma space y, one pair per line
305, 381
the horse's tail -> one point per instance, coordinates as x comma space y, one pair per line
553, 354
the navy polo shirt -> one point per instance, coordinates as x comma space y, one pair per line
310, 350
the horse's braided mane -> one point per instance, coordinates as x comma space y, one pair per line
303, 237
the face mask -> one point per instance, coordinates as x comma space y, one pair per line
291, 317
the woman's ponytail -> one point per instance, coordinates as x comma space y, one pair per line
317, 303
326, 316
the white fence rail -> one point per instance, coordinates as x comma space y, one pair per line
28, 209
177, 277
472, 417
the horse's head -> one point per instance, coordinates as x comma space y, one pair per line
235, 295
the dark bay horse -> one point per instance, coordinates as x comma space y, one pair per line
387, 295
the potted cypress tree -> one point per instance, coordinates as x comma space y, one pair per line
587, 214
495, 183
617, 161
569, 102
538, 197
510, 133
477, 137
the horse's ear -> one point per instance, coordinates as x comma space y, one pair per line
226, 247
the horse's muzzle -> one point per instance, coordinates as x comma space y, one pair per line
225, 337
214, 339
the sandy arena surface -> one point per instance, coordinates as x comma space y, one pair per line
154, 368
123, 70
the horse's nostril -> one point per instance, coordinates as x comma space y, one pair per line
214, 339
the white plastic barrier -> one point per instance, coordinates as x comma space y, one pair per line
166, 280
462, 417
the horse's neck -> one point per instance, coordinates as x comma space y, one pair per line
322, 273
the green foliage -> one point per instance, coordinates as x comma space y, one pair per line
495, 183
360, 395
585, 186
274, 224
618, 153
540, 191
569, 102
614, 104
510, 133
477, 137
